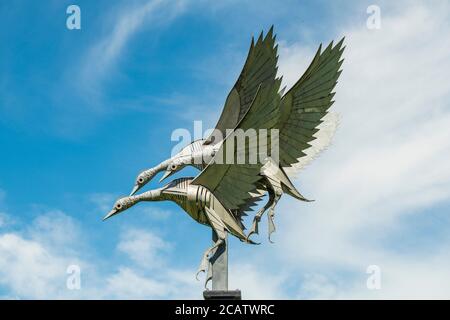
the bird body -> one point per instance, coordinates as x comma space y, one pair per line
200, 204
297, 115
221, 194
195, 200
274, 179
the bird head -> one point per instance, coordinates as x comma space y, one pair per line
145, 176
127, 202
142, 179
172, 168
120, 205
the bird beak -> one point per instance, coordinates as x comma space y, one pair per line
135, 189
168, 173
110, 214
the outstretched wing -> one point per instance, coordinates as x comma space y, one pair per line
306, 103
234, 183
323, 139
297, 116
260, 68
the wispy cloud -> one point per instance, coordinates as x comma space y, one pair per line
248, 277
103, 201
143, 247
102, 57
34, 261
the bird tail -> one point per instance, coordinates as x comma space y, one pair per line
248, 241
289, 188
293, 192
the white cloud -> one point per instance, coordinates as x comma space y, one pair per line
103, 201
102, 57
129, 20
143, 247
27, 268
389, 161
167, 283
316, 286
256, 283
126, 283
34, 262
55, 228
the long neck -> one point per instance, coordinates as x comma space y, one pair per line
152, 195
159, 168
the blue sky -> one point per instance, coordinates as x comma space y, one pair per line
83, 111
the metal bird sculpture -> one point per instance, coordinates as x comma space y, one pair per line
301, 116
200, 204
296, 126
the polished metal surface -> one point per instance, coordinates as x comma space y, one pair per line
296, 127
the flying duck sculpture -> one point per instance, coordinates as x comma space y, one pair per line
290, 129
200, 202
301, 118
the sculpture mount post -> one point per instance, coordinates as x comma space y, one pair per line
219, 265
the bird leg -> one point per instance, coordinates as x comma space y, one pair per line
271, 215
205, 264
209, 275
257, 218
219, 228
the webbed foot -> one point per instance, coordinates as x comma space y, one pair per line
254, 228
209, 275
204, 264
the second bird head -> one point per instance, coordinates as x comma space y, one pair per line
145, 176
172, 168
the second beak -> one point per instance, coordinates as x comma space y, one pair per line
168, 173
135, 189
